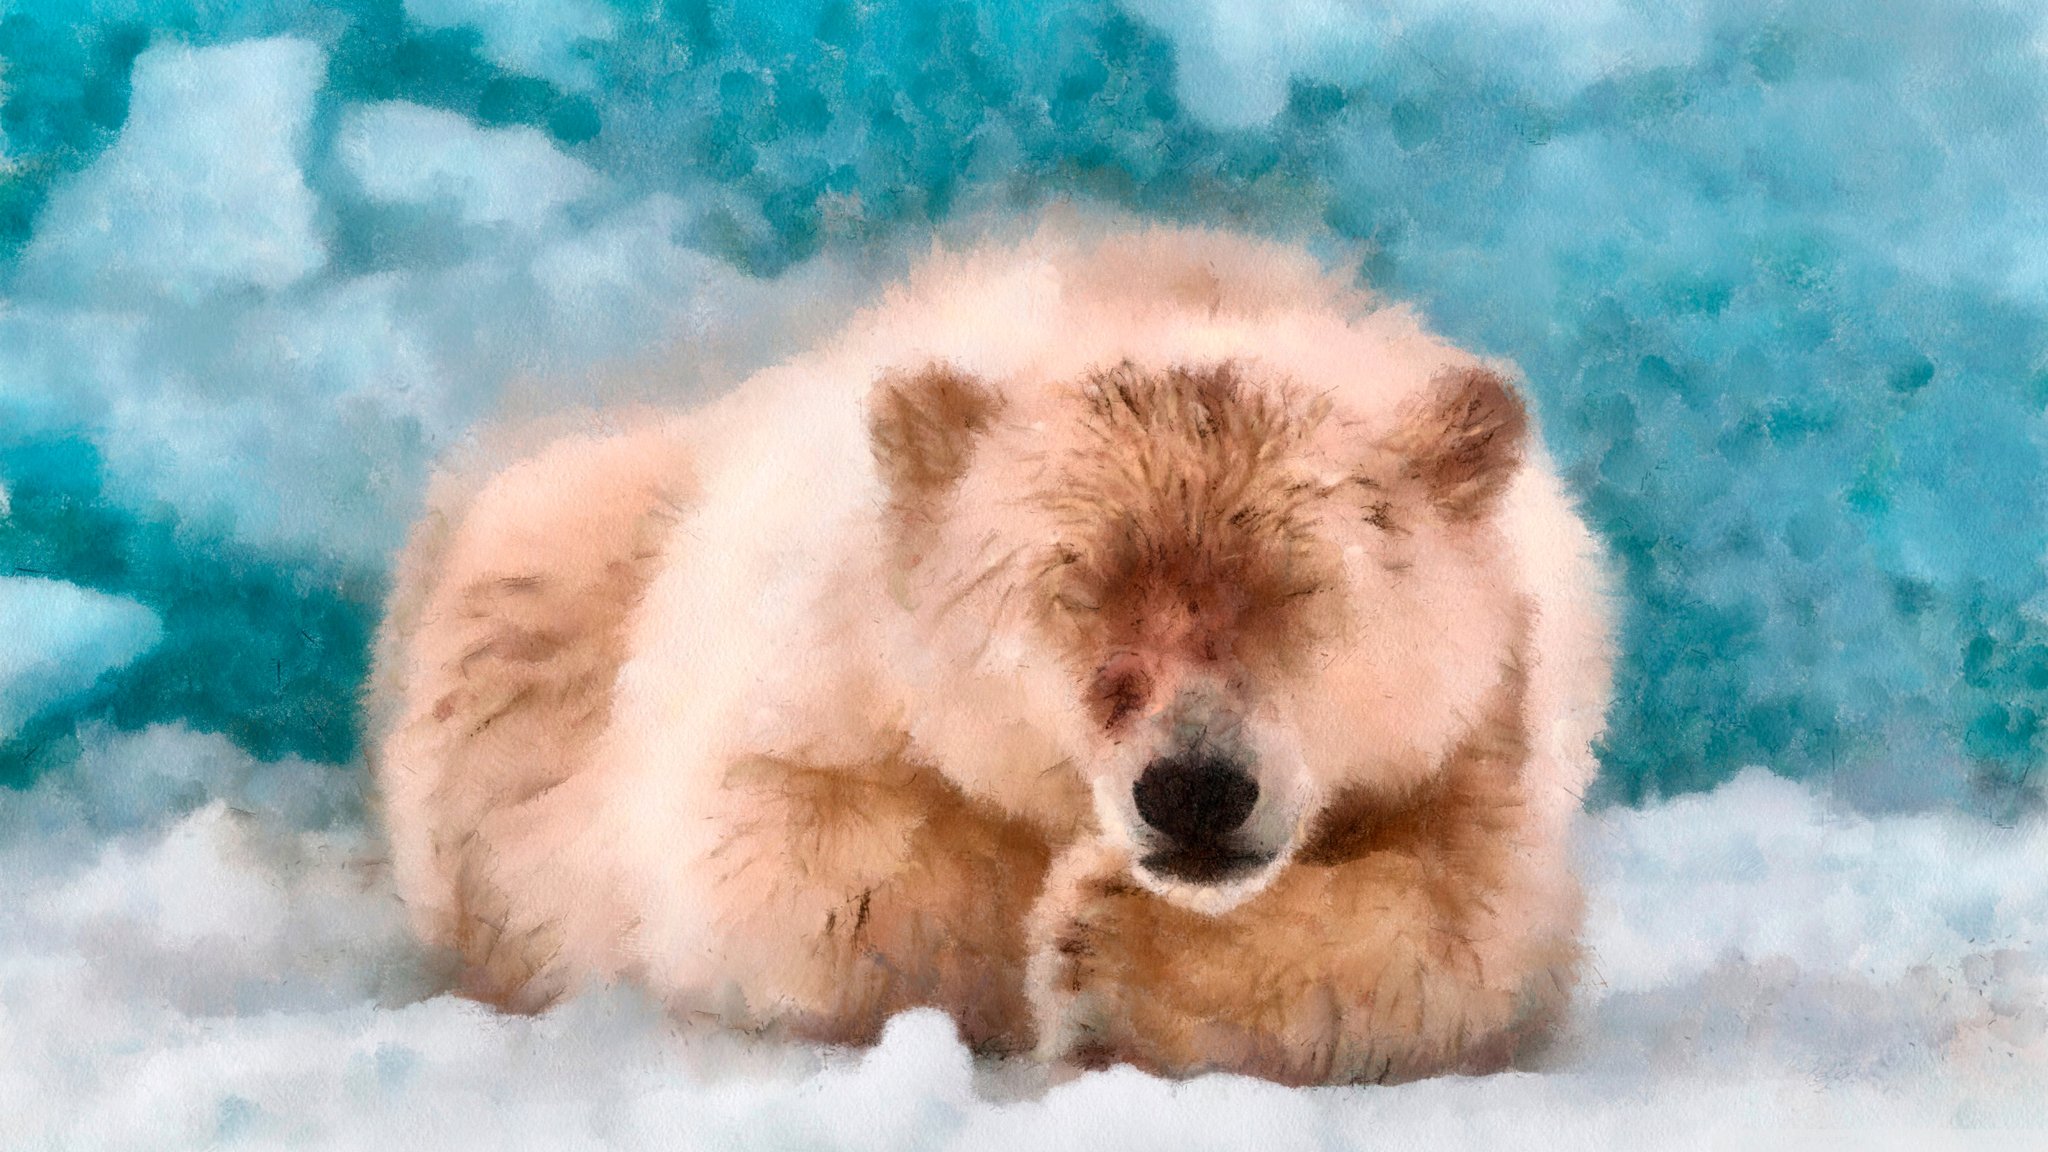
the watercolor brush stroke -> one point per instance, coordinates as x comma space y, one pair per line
275, 276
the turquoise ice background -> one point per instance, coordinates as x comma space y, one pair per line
1777, 274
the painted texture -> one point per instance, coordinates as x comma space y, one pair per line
1776, 275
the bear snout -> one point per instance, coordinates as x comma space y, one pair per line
1195, 798
1194, 803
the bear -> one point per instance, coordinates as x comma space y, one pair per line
1139, 642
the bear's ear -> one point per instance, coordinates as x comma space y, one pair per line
922, 427
1462, 441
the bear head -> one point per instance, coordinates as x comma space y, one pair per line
1229, 606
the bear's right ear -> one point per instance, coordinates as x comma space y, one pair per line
1464, 440
922, 427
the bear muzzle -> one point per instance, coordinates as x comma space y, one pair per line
1195, 805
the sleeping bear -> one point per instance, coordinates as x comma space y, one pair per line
1137, 643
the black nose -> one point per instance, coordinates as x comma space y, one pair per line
1195, 799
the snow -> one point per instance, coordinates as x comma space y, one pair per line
403, 153
1764, 961
203, 191
59, 639
543, 38
1239, 58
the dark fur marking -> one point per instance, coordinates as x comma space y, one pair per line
499, 713
1092, 1054
1185, 524
922, 427
1118, 694
1464, 441
1453, 825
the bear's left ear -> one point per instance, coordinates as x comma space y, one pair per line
922, 427
1463, 441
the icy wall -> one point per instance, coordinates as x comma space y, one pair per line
1777, 274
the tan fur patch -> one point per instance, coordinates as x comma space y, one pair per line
923, 896
523, 660
1464, 441
1182, 527
922, 425
1471, 798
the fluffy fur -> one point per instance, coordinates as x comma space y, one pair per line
841, 694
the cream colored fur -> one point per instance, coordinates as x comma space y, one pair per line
675, 705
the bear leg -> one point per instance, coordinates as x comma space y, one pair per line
844, 896
1335, 974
